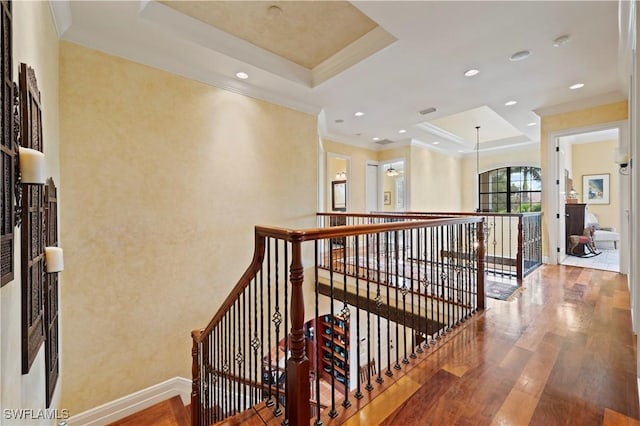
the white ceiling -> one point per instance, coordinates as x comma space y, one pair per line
436, 41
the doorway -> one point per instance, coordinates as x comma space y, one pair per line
592, 196
394, 192
338, 189
372, 187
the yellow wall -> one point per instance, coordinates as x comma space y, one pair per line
35, 42
595, 159
435, 181
165, 179
566, 121
526, 156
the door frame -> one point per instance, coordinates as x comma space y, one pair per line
552, 198
366, 184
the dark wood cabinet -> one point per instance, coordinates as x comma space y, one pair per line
574, 225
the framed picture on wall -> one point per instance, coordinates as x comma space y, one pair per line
595, 189
387, 198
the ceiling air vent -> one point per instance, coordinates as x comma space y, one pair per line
428, 111
384, 142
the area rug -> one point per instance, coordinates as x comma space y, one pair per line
502, 291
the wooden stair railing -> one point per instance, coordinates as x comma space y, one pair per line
256, 350
514, 240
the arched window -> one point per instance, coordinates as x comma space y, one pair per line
511, 190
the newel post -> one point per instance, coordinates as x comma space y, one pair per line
481, 295
298, 388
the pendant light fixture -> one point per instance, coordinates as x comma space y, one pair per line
478, 163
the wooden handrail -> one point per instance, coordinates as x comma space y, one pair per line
311, 234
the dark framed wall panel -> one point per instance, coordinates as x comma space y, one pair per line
52, 348
32, 235
8, 155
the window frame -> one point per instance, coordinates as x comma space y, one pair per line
508, 193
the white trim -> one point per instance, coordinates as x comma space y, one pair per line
366, 181
62, 19
364, 47
604, 99
137, 401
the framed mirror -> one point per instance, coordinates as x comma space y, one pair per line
339, 195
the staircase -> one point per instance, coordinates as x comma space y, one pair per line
392, 287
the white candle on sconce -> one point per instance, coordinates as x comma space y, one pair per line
31, 166
54, 259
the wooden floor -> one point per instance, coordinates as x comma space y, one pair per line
562, 353
171, 412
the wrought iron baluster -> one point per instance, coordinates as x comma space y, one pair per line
368, 277
318, 421
277, 320
269, 345
404, 292
388, 284
358, 393
286, 271
378, 308
415, 262
332, 412
345, 315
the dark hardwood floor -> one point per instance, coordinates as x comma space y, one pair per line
171, 412
562, 353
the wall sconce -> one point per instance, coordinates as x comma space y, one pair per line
31, 163
29, 169
622, 159
53, 259
341, 176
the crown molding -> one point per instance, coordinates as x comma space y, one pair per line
62, 18
594, 101
367, 45
443, 134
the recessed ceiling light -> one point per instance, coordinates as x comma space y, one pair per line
242, 75
471, 72
520, 55
436, 143
376, 139
509, 103
402, 131
359, 114
559, 41
531, 124
576, 86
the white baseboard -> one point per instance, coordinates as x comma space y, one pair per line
137, 401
